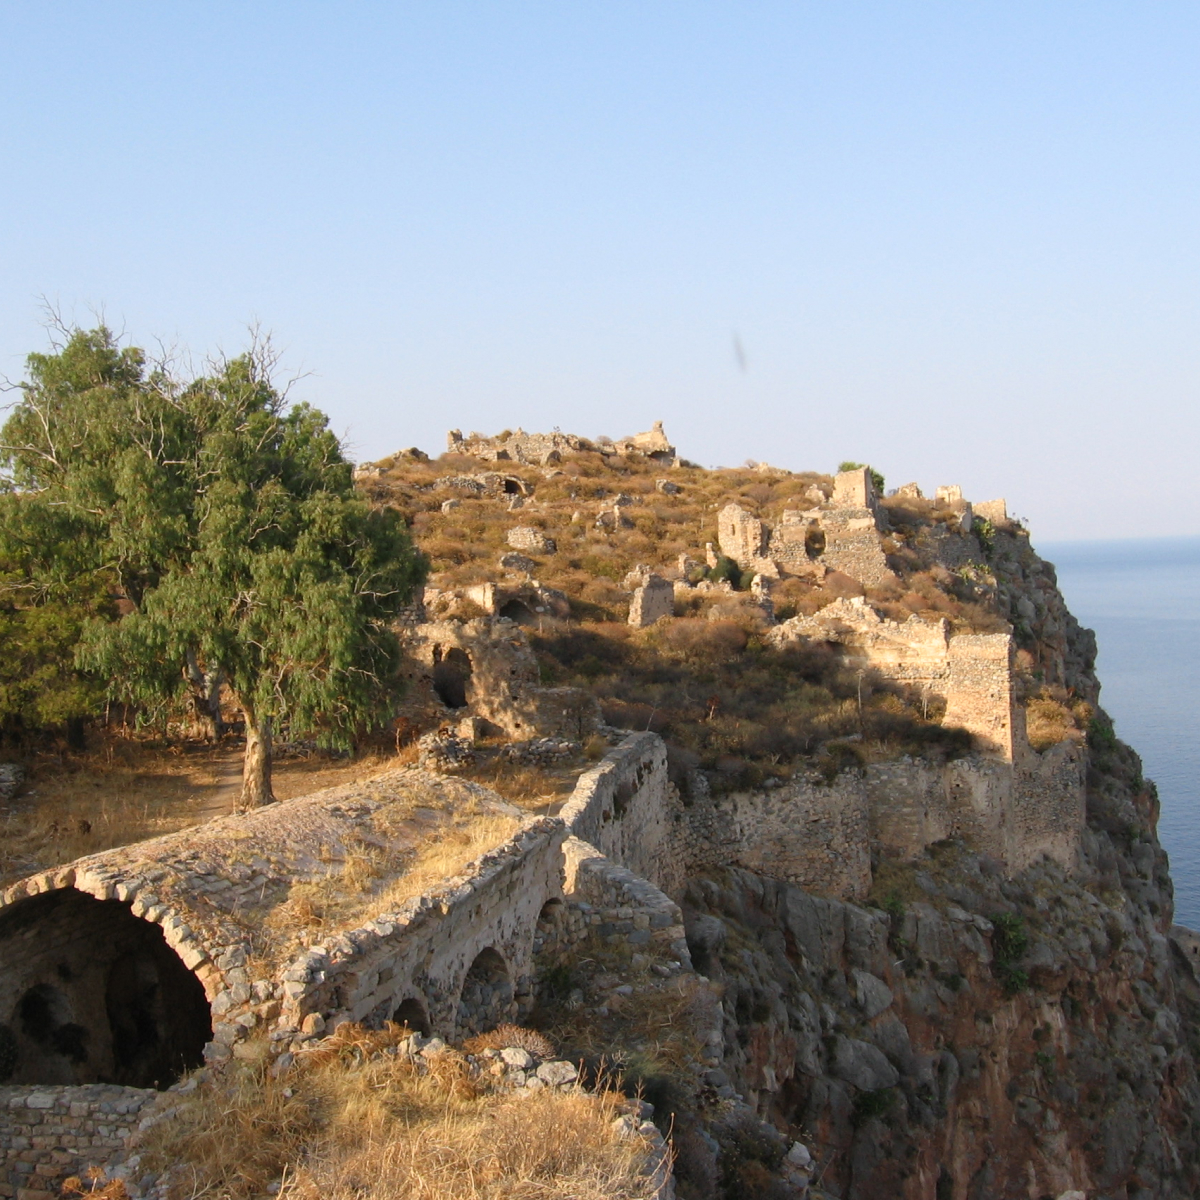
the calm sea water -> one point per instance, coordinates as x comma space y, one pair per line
1143, 600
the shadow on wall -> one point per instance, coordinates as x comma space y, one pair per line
451, 675
487, 994
89, 993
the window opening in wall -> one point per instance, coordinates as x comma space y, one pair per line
487, 994
451, 675
412, 1013
814, 542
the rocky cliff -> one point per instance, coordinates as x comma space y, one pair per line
993, 1003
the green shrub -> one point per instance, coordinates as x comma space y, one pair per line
868, 1105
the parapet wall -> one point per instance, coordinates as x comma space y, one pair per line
424, 950
622, 807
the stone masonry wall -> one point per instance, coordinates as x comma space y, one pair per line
808, 832
622, 807
49, 1133
424, 949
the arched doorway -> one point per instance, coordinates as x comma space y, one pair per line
411, 1012
487, 994
89, 993
451, 675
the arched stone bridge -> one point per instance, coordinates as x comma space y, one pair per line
133, 965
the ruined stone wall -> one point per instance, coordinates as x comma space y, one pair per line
979, 692
622, 808
819, 835
484, 668
607, 901
808, 832
972, 673
49, 1133
424, 950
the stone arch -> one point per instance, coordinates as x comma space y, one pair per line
411, 1012
513, 487
451, 676
486, 998
91, 993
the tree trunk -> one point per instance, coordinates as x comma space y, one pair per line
206, 698
256, 766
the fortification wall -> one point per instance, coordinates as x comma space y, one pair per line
820, 835
809, 832
972, 673
622, 807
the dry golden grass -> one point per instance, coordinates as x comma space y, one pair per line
128, 791
355, 1123
1052, 716
534, 789
433, 839
511, 1035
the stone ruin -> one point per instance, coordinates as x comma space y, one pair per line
482, 671
544, 449
126, 969
840, 535
653, 599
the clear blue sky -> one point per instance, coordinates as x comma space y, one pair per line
958, 240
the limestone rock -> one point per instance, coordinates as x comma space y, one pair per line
872, 994
863, 1065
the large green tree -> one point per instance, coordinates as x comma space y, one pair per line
240, 551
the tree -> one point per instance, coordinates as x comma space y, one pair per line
242, 553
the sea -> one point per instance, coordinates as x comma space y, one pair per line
1143, 600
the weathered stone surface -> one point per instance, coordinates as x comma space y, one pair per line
651, 602
863, 1065
527, 537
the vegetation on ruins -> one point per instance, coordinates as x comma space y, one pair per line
355, 1117
200, 535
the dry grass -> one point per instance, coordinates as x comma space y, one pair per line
431, 839
511, 1035
129, 790
356, 1122
538, 790
1053, 716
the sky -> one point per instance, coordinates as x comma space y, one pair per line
957, 241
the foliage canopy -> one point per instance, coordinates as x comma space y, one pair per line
224, 525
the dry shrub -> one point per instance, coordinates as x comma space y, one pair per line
704, 641
356, 1121
1051, 717
511, 1035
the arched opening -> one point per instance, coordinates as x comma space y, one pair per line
513, 487
451, 675
412, 1013
814, 542
93, 994
518, 612
487, 995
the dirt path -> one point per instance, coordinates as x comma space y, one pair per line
224, 795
